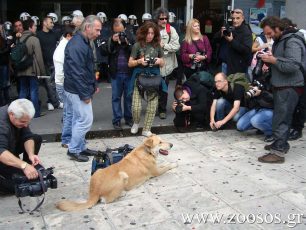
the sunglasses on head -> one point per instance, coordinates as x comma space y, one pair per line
163, 19
236, 12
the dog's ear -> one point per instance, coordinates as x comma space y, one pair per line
148, 142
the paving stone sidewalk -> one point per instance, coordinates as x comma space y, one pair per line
218, 178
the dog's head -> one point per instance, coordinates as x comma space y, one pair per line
156, 145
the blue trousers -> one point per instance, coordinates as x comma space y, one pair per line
224, 107
260, 119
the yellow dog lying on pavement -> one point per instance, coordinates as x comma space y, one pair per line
133, 170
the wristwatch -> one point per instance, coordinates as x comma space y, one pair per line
24, 165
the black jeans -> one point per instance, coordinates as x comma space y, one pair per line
6, 172
285, 101
49, 85
163, 97
299, 116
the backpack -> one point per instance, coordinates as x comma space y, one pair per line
19, 55
205, 78
110, 156
240, 79
168, 30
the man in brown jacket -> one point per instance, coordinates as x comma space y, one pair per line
28, 79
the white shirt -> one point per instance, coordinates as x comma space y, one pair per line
58, 60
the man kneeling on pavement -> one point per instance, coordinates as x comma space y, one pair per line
191, 104
16, 138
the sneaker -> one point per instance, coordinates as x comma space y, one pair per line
64, 145
295, 134
50, 107
271, 158
135, 128
271, 147
117, 126
61, 105
146, 133
162, 115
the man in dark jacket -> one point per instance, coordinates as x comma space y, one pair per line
239, 43
190, 105
287, 81
17, 138
80, 85
118, 48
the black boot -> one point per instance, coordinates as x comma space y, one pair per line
295, 134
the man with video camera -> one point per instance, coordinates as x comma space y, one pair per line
17, 138
190, 105
239, 43
287, 80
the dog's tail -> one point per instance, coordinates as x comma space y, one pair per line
67, 205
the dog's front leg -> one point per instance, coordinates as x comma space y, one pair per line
159, 170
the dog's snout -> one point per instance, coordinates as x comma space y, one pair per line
171, 145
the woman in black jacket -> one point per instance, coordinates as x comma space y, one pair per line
190, 105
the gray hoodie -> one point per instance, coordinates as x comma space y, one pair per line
286, 72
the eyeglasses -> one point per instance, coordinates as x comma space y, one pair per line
163, 19
219, 81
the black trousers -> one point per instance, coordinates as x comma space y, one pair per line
299, 116
6, 172
182, 119
285, 101
163, 97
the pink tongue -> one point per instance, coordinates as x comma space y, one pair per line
163, 152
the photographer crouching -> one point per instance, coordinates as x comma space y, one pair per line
17, 138
190, 105
259, 100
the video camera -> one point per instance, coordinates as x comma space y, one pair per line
151, 61
228, 30
251, 92
25, 187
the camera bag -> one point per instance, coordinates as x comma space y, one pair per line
109, 157
147, 82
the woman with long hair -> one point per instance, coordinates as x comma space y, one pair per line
146, 48
196, 49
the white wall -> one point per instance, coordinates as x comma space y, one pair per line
295, 10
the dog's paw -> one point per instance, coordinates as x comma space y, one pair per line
173, 165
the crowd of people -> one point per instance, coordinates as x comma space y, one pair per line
139, 61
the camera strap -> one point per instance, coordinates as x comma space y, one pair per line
44, 189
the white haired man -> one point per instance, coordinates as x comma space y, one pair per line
16, 138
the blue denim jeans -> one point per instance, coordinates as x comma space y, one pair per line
260, 119
224, 107
67, 121
120, 84
81, 121
29, 87
60, 92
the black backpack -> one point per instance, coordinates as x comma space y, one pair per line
20, 56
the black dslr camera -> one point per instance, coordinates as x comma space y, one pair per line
151, 61
122, 37
179, 107
197, 64
257, 71
25, 187
251, 92
228, 30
